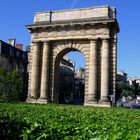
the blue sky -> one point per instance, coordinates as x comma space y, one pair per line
15, 14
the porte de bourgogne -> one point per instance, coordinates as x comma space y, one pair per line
91, 31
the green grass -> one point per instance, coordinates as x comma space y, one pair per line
34, 121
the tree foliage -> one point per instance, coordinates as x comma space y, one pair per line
124, 89
11, 85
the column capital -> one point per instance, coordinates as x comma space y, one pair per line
93, 40
35, 42
45, 42
113, 40
106, 40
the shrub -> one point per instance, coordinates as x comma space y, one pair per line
11, 85
59, 122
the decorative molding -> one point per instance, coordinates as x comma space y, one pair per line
74, 31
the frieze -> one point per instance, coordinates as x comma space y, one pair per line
103, 31
69, 31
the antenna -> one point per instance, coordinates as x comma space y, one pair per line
73, 4
50, 16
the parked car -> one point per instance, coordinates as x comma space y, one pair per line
135, 107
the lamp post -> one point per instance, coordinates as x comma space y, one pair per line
112, 100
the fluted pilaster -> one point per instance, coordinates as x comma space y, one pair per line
93, 72
35, 70
45, 68
105, 66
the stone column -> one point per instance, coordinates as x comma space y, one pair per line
44, 77
93, 72
105, 50
35, 71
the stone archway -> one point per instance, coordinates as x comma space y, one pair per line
94, 35
67, 85
60, 50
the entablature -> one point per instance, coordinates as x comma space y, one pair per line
71, 32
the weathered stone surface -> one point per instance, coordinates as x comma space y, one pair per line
93, 32
75, 14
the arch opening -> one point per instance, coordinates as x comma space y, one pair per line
69, 77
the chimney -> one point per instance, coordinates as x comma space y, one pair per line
12, 41
19, 46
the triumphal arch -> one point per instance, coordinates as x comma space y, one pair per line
91, 31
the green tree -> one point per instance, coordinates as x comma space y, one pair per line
119, 88
3, 74
126, 93
11, 85
123, 89
139, 89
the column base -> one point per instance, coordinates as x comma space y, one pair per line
93, 103
104, 103
98, 104
42, 101
31, 100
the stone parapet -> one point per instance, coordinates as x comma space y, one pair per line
75, 14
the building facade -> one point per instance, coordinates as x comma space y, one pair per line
12, 58
66, 80
79, 85
134, 80
121, 76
